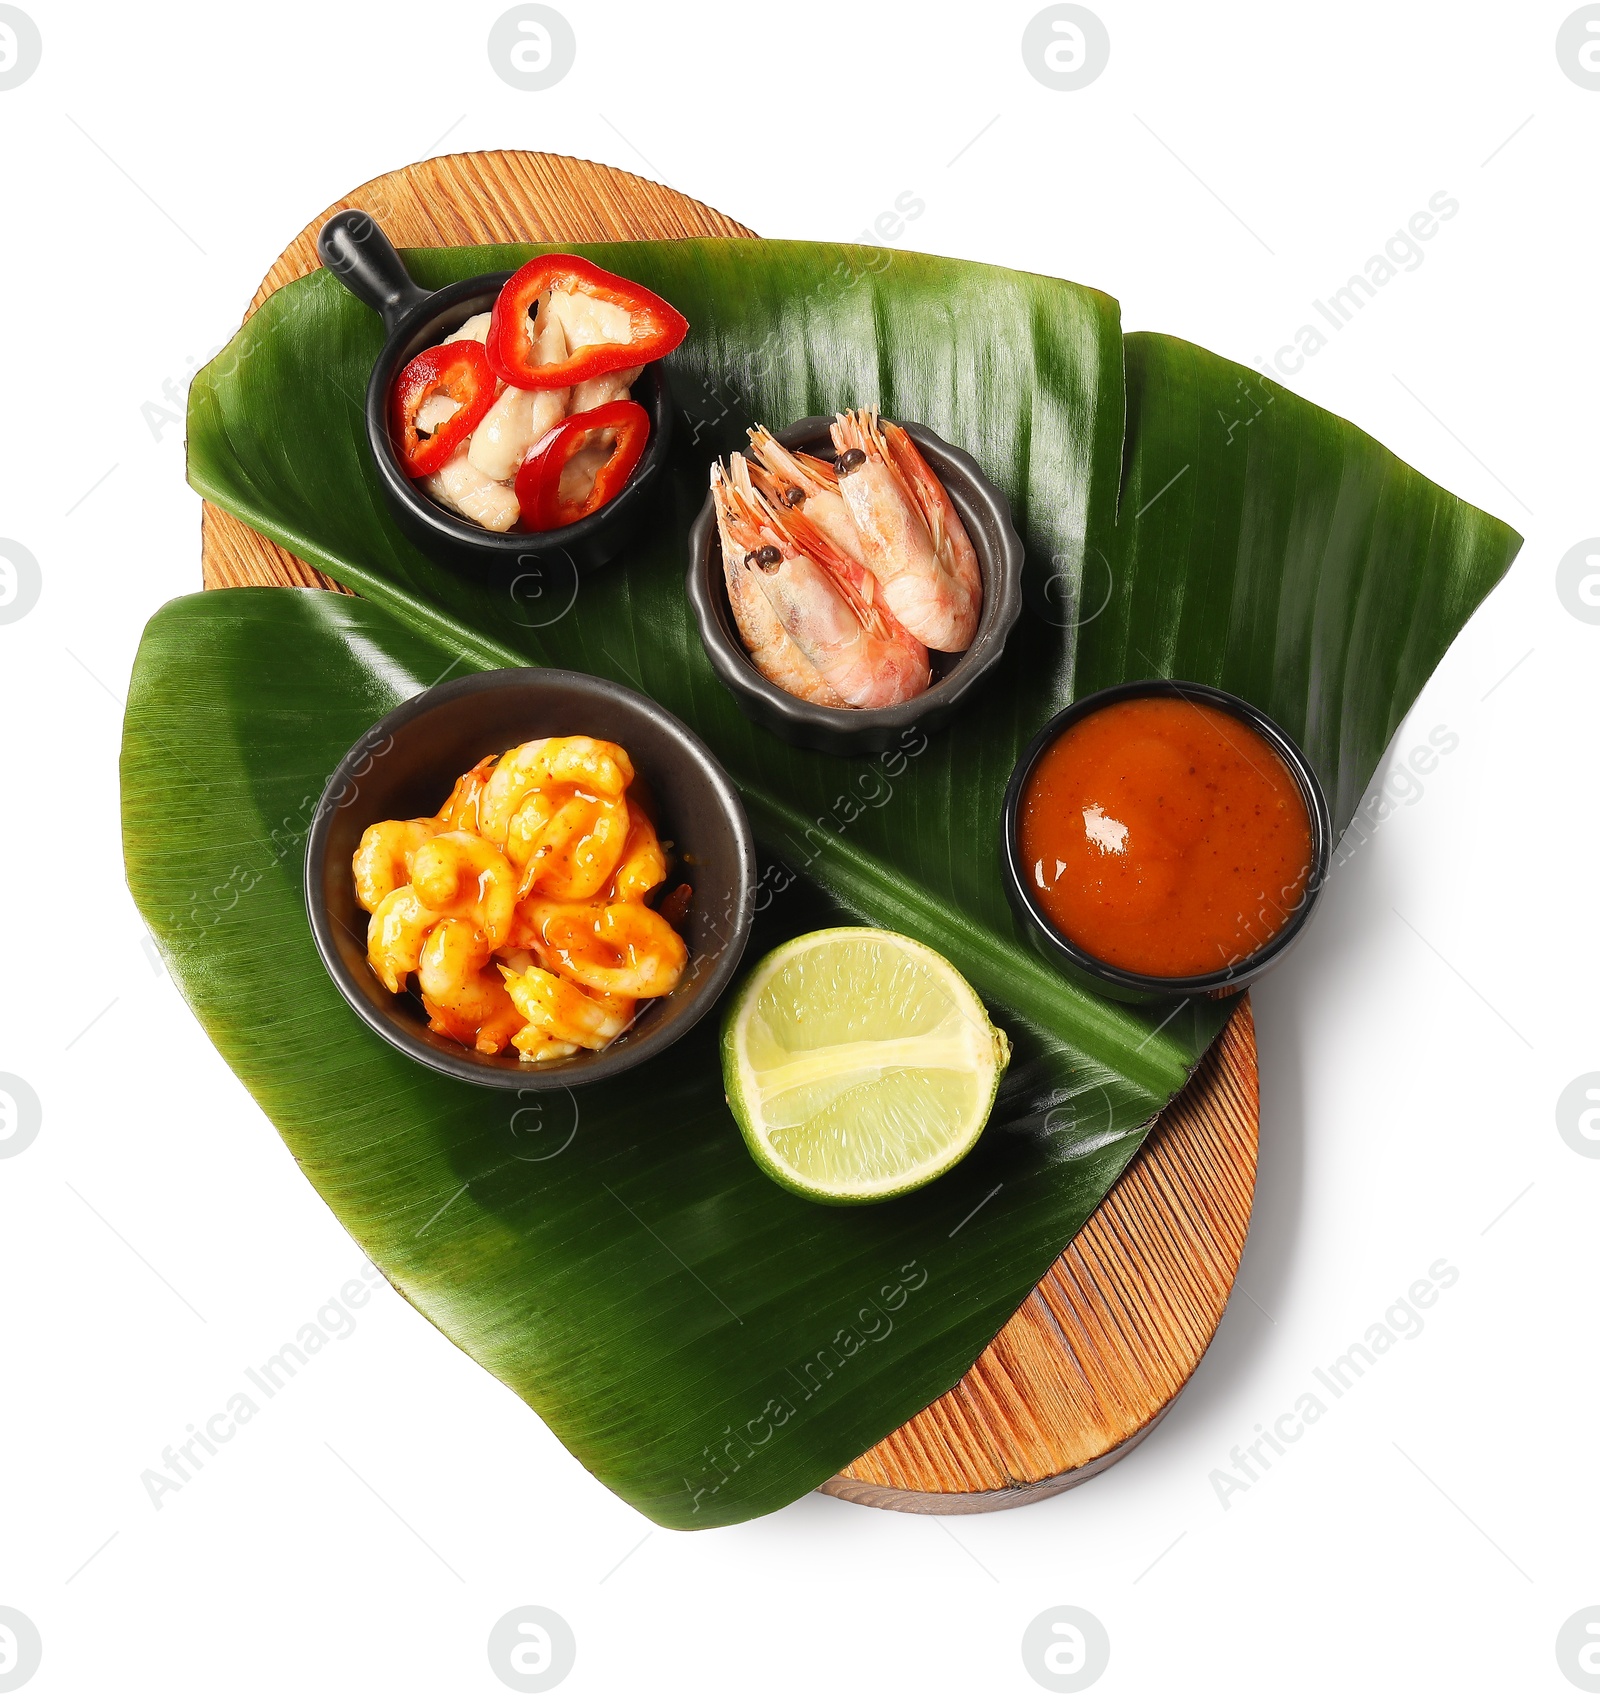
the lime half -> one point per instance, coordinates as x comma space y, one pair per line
859, 1064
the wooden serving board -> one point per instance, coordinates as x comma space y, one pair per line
1094, 1358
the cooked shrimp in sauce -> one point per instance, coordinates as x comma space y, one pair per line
522, 912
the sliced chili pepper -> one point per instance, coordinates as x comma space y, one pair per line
546, 504
655, 327
458, 370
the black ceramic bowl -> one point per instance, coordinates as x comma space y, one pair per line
404, 767
358, 253
1119, 983
853, 731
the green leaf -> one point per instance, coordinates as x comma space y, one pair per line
1273, 549
709, 1345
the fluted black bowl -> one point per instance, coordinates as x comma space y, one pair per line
986, 514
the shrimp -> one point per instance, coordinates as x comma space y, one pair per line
531, 817
623, 949
642, 866
774, 652
914, 545
460, 875
460, 812
950, 540
858, 648
382, 862
464, 995
790, 480
517, 912
591, 764
520, 418
573, 851
508, 786
559, 1011
533, 1046
396, 935
532, 1043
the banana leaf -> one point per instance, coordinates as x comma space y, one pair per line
710, 1346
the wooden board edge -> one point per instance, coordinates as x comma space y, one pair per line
914, 1503
1088, 1305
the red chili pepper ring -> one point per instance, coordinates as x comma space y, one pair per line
655, 327
554, 486
461, 372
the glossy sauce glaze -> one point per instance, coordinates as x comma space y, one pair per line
1165, 837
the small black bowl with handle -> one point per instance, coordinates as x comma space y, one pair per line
984, 512
356, 251
404, 768
1121, 984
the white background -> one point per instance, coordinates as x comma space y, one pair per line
1234, 162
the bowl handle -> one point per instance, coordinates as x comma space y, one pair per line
353, 247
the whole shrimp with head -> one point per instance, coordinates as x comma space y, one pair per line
808, 614
912, 538
842, 575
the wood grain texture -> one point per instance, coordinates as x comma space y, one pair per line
1092, 1361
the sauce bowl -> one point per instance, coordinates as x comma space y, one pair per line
1122, 984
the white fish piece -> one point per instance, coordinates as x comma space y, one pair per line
461, 487
609, 386
520, 418
435, 411
586, 319
476, 329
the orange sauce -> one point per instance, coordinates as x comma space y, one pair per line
1164, 837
